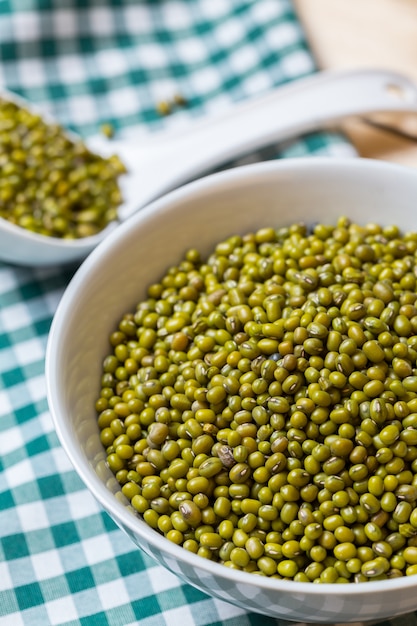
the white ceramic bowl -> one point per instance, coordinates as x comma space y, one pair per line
113, 279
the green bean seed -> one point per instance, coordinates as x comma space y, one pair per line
259, 407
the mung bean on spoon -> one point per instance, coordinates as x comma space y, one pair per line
168, 161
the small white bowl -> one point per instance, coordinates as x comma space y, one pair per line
114, 278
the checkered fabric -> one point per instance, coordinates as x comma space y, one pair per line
89, 62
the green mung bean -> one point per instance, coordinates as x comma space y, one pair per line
259, 407
51, 183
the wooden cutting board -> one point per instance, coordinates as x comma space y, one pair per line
366, 33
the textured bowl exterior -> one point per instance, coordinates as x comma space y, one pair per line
114, 278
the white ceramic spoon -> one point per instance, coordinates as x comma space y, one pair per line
169, 160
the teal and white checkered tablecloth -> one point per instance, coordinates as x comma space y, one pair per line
90, 62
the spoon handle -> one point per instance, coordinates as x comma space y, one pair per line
303, 106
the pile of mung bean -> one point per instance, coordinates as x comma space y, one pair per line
50, 184
259, 408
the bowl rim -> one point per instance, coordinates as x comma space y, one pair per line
119, 512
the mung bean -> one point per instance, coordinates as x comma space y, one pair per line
51, 183
259, 407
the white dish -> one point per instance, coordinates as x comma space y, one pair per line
113, 279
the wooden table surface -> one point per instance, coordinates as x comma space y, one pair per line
350, 34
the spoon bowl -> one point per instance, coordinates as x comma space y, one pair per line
170, 160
